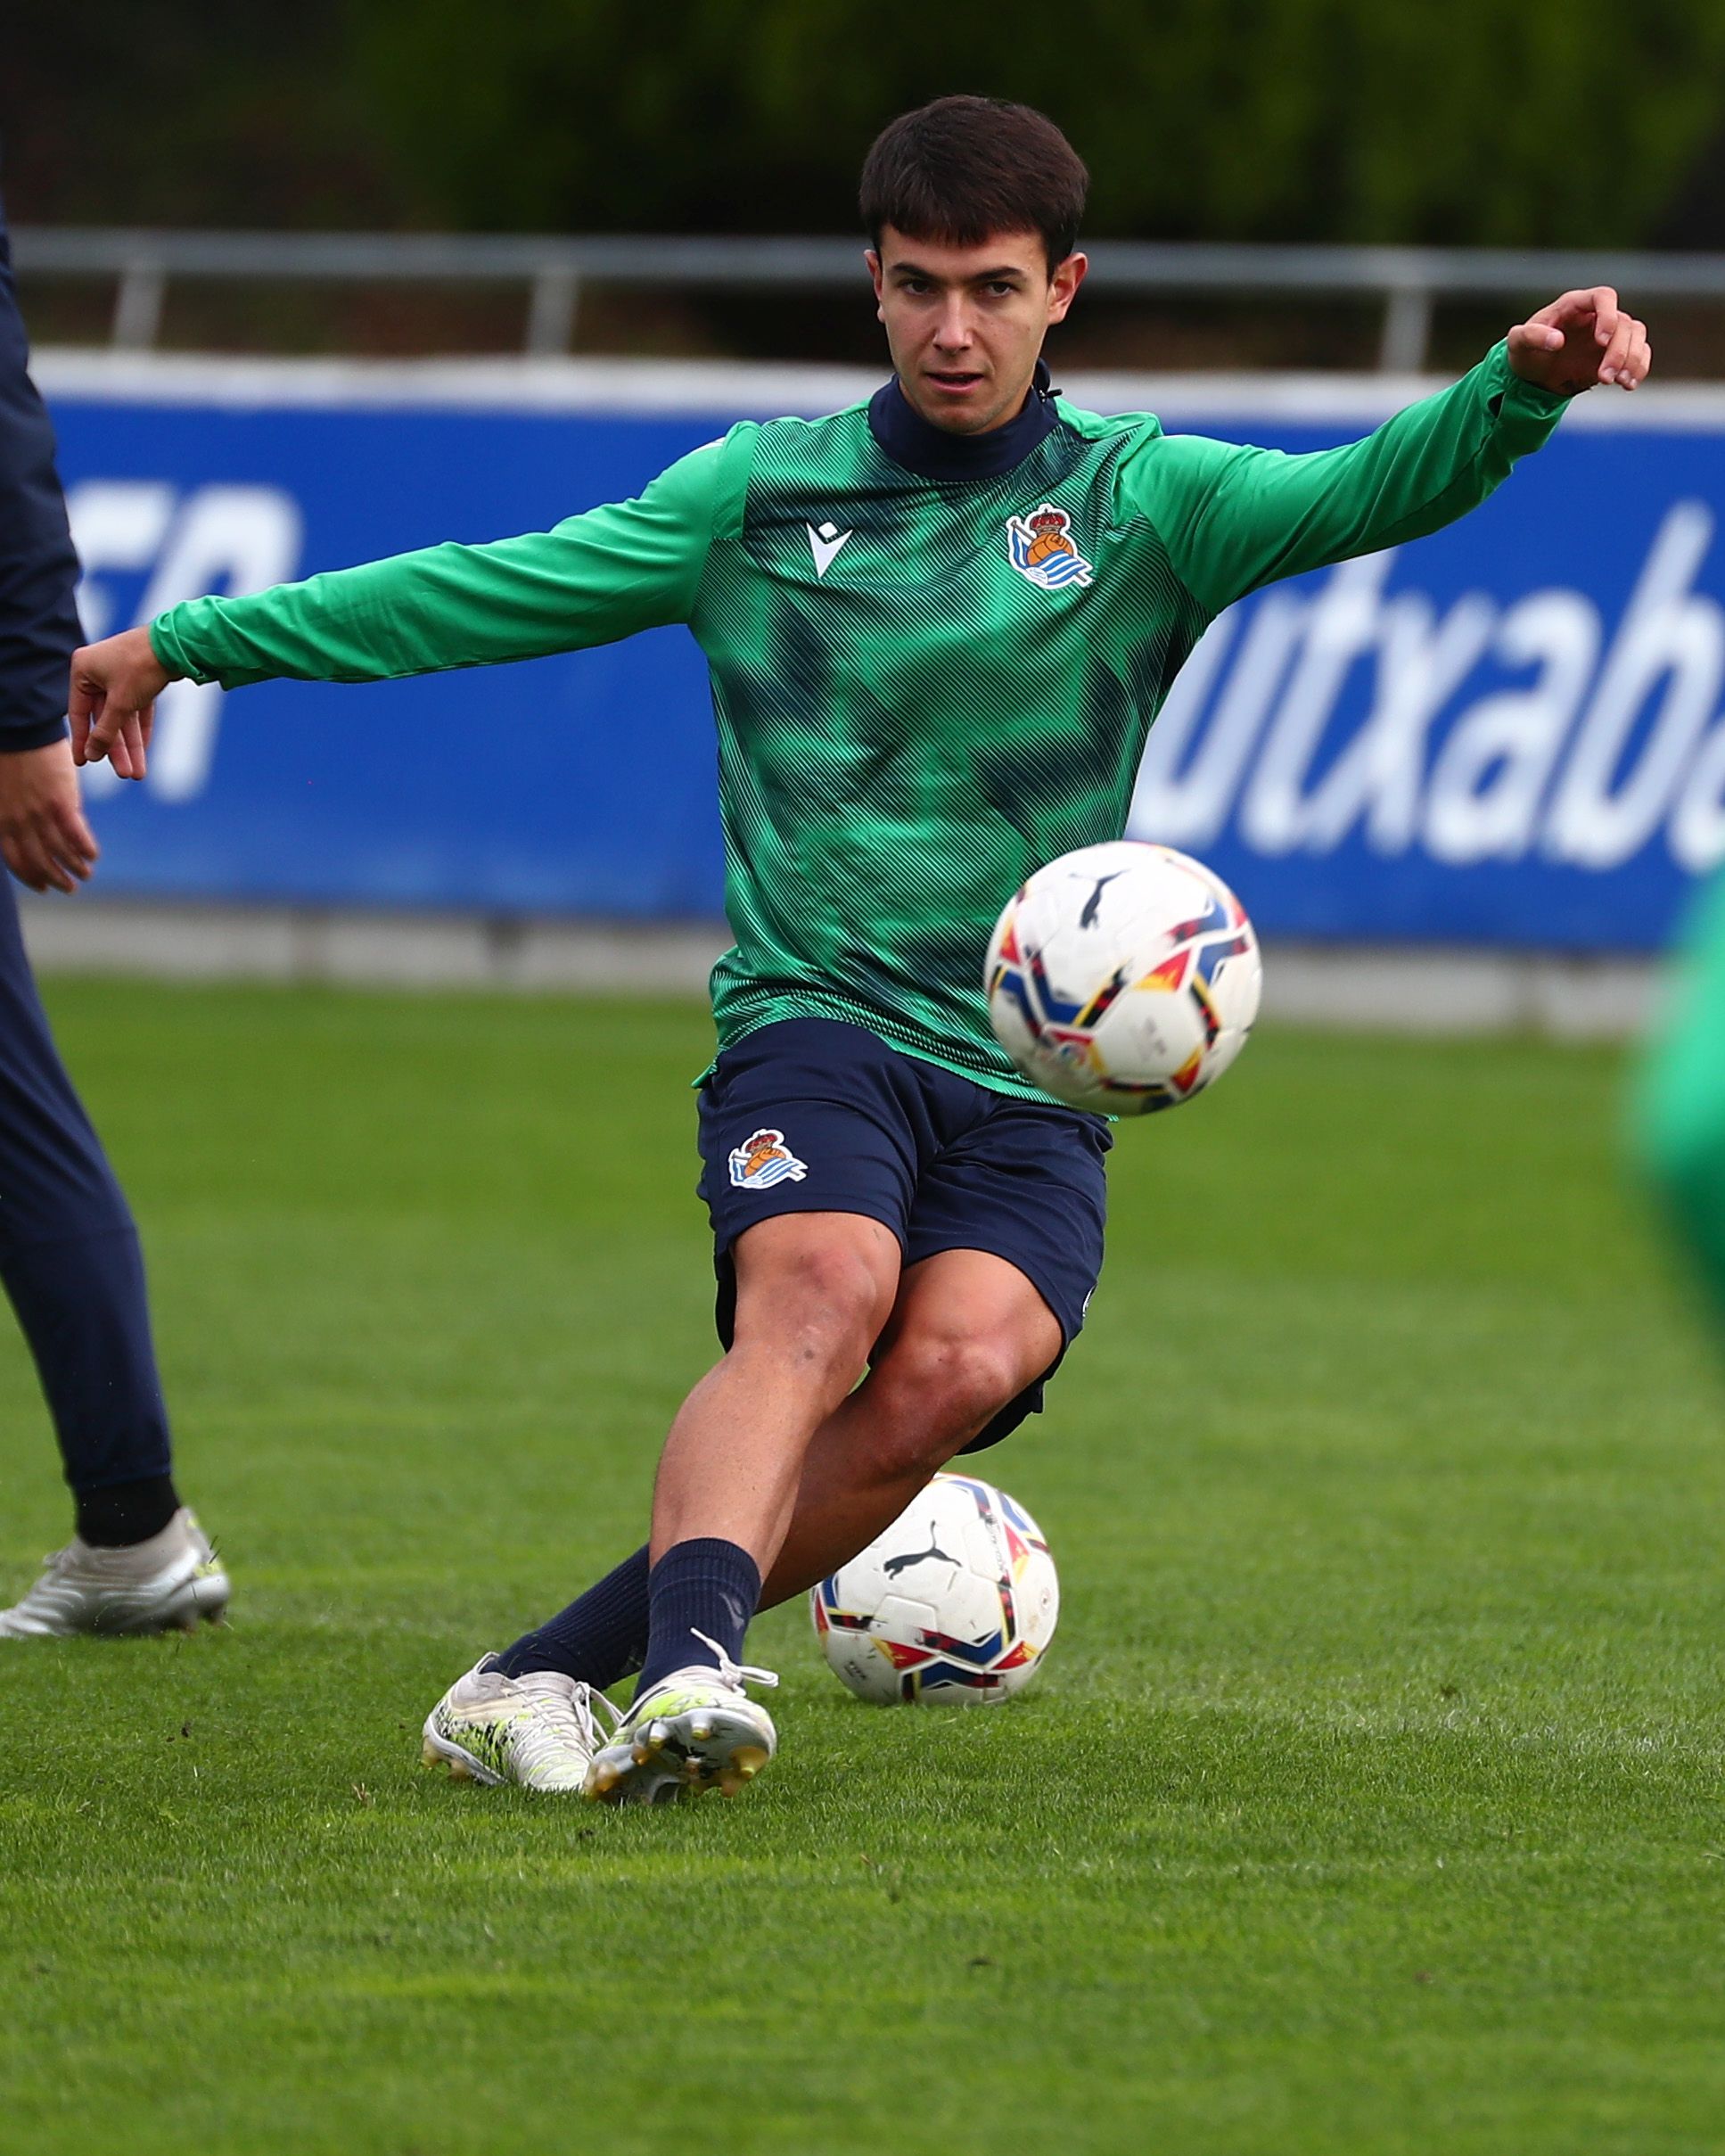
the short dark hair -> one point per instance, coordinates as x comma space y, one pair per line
963, 169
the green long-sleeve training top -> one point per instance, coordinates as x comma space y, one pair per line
930, 674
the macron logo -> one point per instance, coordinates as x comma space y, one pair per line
824, 543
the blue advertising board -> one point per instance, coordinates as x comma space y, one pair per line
1509, 734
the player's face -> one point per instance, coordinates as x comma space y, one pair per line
965, 325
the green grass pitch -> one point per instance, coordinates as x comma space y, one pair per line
1371, 1799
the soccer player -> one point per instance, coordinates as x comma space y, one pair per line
914, 710
69, 1252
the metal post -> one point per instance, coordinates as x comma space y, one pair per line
551, 315
138, 306
1407, 330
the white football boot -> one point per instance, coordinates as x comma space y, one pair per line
537, 1731
695, 1730
164, 1584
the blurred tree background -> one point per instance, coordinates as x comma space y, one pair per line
1569, 122
1473, 120
1489, 121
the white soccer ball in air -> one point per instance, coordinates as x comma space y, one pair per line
1123, 977
956, 1601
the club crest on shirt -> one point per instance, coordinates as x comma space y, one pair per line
1040, 547
763, 1160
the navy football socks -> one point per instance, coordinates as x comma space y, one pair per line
707, 1587
637, 1618
599, 1638
126, 1512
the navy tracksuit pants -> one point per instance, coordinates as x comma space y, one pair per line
69, 1251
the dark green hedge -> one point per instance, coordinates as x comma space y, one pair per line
1463, 120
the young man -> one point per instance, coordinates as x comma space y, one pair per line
909, 721
69, 1252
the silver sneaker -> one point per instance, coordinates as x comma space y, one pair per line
165, 1585
537, 1731
696, 1729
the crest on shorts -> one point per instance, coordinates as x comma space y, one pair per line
763, 1160
1040, 547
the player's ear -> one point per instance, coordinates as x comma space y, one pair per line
1063, 285
874, 262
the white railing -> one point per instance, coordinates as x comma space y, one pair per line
1408, 282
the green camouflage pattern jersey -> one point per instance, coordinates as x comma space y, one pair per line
935, 661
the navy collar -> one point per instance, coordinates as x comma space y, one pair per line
932, 453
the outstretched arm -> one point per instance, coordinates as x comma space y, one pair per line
596, 578
1234, 518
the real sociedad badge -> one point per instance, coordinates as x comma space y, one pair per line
763, 1160
1040, 547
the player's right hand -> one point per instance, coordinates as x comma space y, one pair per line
112, 701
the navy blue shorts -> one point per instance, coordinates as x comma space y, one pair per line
813, 1116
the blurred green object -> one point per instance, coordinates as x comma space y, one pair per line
1678, 1126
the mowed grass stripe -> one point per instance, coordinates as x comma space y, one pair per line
1371, 1800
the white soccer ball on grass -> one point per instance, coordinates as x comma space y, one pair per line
1123, 977
956, 1602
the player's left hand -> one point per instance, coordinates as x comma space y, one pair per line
1581, 339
